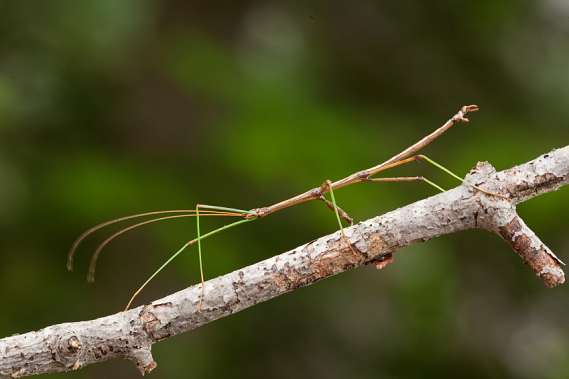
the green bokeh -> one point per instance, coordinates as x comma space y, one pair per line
116, 107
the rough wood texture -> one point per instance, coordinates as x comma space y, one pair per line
131, 334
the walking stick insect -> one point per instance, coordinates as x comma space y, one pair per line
408, 155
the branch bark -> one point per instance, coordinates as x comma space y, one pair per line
131, 334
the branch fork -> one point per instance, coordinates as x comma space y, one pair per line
499, 215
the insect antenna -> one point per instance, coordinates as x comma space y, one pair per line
88, 232
102, 245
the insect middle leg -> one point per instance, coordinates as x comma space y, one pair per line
340, 213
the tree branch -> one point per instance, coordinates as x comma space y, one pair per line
131, 334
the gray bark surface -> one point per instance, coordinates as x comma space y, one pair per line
131, 334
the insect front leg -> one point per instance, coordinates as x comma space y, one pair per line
406, 179
204, 207
449, 172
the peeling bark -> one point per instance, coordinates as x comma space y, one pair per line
532, 251
131, 334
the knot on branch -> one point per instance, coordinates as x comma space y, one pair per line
68, 351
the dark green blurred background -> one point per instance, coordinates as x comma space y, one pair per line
111, 107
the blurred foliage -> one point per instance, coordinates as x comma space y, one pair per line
116, 107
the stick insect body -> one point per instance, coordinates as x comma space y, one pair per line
244, 216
